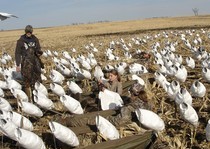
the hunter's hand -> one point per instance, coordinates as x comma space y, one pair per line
18, 68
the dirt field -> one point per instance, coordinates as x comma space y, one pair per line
177, 133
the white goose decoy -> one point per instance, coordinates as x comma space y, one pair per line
207, 129
140, 80
56, 77
188, 113
180, 73
33, 140
44, 102
106, 128
64, 134
145, 116
21, 121
197, 89
98, 73
57, 89
108, 67
5, 105
8, 128
110, 100
40, 87
1, 93
190, 62
13, 84
162, 69
30, 109
74, 88
183, 96
173, 89
3, 84
161, 80
206, 74
71, 104
21, 95
4, 16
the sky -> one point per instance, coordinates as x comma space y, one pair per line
49, 13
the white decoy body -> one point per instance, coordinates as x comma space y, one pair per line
44, 102
56, 77
71, 104
8, 128
21, 121
139, 80
5, 105
3, 84
98, 73
57, 89
17, 93
188, 113
207, 129
110, 100
30, 109
190, 62
40, 87
74, 88
161, 80
4, 16
106, 128
173, 89
33, 140
13, 84
64, 134
183, 96
206, 74
1, 93
145, 116
197, 89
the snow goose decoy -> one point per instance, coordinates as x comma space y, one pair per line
33, 140
64, 134
190, 62
106, 128
71, 104
57, 89
207, 129
74, 88
197, 89
144, 116
206, 74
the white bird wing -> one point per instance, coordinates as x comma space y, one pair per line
4, 16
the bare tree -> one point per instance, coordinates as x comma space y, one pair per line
195, 11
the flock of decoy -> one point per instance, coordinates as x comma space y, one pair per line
174, 55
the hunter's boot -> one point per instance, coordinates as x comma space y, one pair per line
29, 94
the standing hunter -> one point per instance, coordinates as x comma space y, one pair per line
27, 58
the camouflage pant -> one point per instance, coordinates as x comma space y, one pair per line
31, 70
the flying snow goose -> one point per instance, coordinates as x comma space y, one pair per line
4, 16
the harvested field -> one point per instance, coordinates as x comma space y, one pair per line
178, 133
